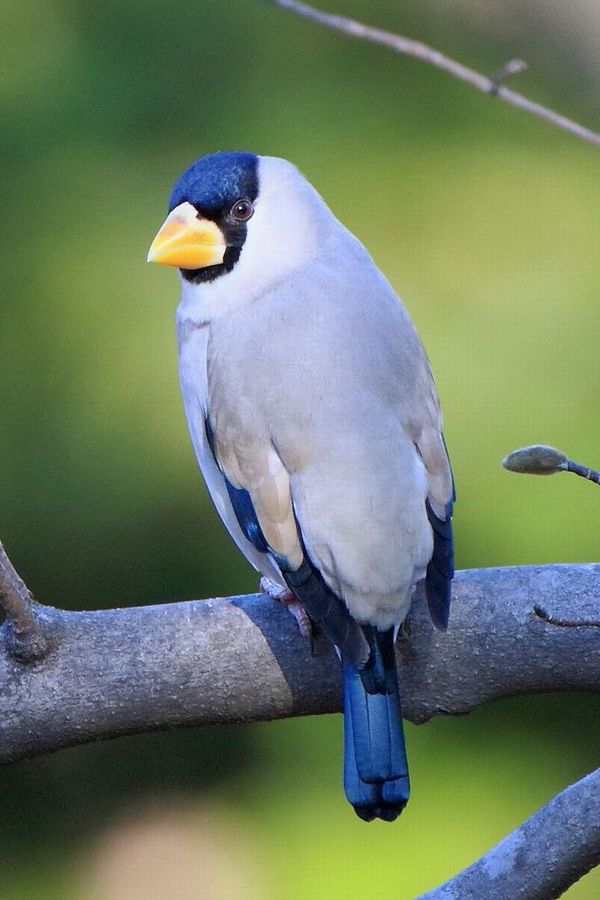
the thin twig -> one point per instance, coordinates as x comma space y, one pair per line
417, 49
559, 622
583, 471
512, 67
27, 640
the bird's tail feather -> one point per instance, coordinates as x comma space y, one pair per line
375, 767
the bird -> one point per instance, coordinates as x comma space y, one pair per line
316, 423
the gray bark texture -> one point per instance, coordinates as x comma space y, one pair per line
238, 659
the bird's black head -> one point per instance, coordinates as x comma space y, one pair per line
222, 188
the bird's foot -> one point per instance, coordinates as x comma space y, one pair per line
290, 601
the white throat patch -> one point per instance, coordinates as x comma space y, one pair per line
284, 234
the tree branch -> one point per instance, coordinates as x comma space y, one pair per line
120, 671
418, 50
542, 857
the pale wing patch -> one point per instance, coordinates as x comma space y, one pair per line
439, 476
425, 429
259, 470
270, 492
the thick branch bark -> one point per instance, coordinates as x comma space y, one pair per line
121, 671
542, 857
418, 50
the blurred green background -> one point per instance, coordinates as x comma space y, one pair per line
487, 222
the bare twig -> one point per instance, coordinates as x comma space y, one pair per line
583, 471
542, 857
512, 67
564, 623
26, 640
419, 50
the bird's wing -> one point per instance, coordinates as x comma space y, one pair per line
260, 490
234, 507
440, 500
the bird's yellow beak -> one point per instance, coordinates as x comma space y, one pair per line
187, 241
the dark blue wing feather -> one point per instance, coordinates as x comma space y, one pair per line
325, 608
440, 570
246, 516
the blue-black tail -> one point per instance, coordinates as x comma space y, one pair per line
375, 768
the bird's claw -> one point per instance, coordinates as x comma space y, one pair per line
290, 601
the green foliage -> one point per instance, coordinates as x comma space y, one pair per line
484, 220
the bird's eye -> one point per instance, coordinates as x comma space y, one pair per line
241, 210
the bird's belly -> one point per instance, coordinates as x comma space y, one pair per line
381, 610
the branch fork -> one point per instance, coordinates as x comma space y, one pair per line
25, 637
